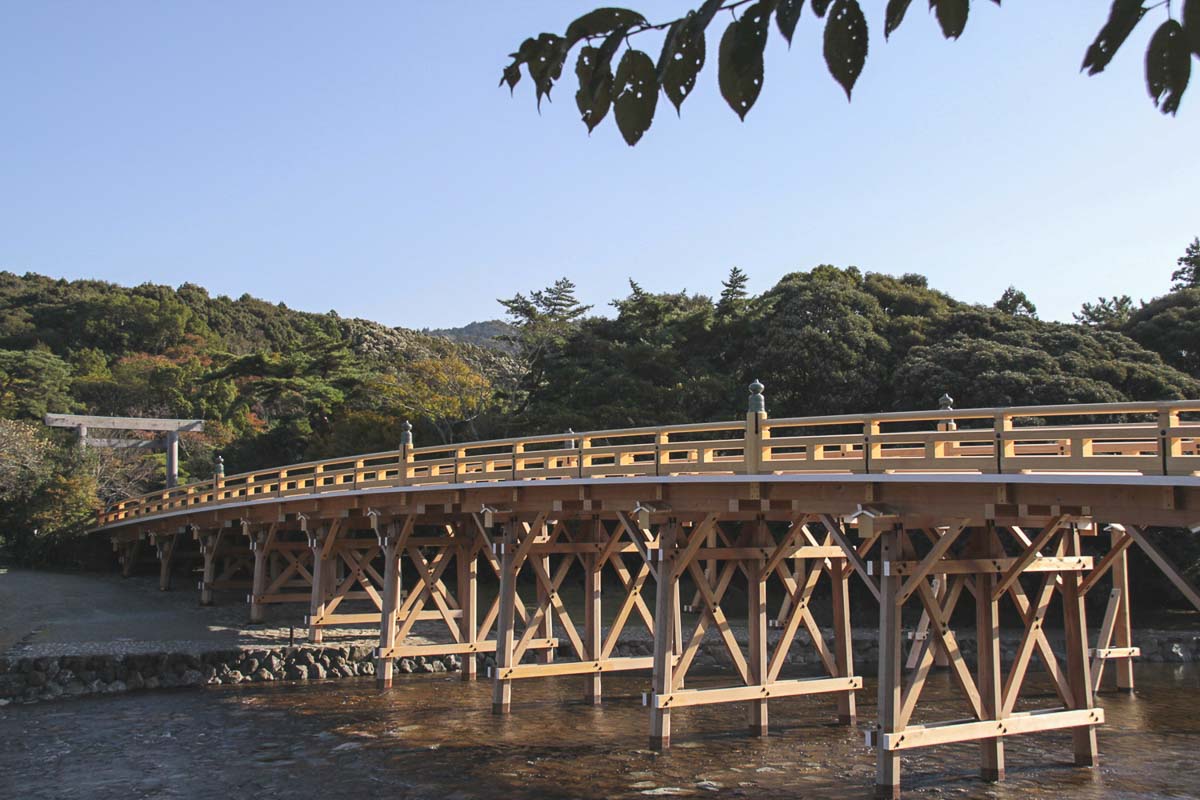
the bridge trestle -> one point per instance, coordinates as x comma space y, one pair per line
975, 560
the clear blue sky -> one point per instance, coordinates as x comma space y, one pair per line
360, 157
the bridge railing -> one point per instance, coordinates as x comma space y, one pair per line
1145, 438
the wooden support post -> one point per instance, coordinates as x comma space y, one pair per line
321, 569
664, 628
546, 628
391, 601
505, 640
208, 547
887, 762
843, 643
1124, 630
756, 591
129, 557
987, 633
940, 659
468, 600
1078, 674
166, 549
592, 623
259, 586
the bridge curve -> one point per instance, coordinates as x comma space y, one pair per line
1029, 506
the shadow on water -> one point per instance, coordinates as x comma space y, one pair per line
434, 736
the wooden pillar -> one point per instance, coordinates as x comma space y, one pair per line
468, 601
592, 624
321, 569
129, 556
664, 627
166, 549
887, 762
843, 641
258, 543
940, 659
1123, 634
1078, 673
756, 592
208, 550
390, 603
546, 627
506, 622
987, 633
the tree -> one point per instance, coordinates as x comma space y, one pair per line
33, 382
632, 90
1170, 326
544, 321
24, 457
1107, 313
1188, 274
1015, 303
446, 392
733, 294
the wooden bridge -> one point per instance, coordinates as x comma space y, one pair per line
927, 510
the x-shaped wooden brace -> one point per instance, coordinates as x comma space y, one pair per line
712, 613
633, 583
431, 575
551, 600
359, 571
295, 567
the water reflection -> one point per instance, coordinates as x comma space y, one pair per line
434, 736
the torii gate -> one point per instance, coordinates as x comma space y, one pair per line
172, 428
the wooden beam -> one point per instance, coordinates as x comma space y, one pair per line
1186, 588
123, 423
916, 736
758, 692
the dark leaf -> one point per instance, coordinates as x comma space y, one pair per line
846, 43
951, 15
635, 92
604, 55
545, 62
1191, 24
820, 7
681, 61
894, 15
511, 76
602, 20
787, 14
705, 13
740, 61
595, 87
1168, 66
1122, 17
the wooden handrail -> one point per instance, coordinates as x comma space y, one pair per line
1164, 445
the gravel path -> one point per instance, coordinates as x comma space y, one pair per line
55, 613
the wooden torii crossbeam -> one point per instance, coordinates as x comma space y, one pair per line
171, 427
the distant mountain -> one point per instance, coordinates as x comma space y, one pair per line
482, 334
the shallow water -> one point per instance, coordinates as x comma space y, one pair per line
434, 736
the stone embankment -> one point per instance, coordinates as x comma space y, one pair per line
34, 679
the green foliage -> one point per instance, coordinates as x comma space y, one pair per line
1188, 274
33, 382
1107, 313
740, 69
1015, 303
1170, 326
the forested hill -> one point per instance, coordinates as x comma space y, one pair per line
279, 386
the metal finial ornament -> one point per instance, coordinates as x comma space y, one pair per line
406, 437
220, 467
758, 403
946, 402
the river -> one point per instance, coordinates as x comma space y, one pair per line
433, 736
